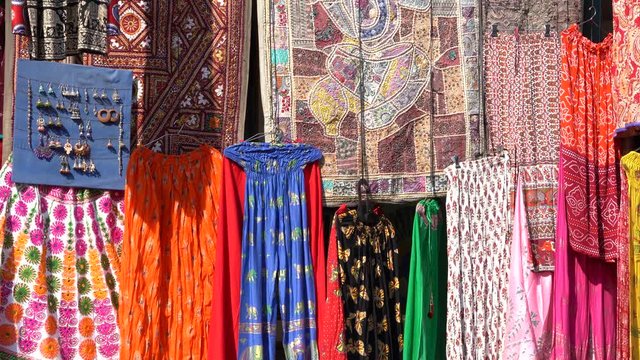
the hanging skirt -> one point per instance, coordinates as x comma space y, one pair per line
478, 248
368, 272
168, 254
59, 269
629, 264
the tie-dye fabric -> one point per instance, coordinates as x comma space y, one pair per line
59, 271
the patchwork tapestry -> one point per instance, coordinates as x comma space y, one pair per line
420, 93
531, 15
190, 70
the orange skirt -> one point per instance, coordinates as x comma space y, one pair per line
167, 268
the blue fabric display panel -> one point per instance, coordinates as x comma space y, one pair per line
72, 125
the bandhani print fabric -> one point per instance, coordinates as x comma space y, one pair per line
311, 88
625, 64
60, 271
59, 28
523, 113
478, 242
190, 65
591, 175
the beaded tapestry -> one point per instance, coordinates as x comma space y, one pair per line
312, 49
188, 60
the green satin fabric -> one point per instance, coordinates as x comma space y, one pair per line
424, 336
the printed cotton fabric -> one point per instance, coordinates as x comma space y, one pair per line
528, 331
421, 88
60, 269
622, 267
478, 242
630, 286
626, 64
368, 270
168, 253
591, 174
277, 268
59, 28
522, 74
425, 321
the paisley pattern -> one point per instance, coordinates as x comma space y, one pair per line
478, 242
626, 64
60, 258
368, 272
420, 88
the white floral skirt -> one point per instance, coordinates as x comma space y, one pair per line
60, 250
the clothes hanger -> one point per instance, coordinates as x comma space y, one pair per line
593, 16
366, 213
277, 133
199, 141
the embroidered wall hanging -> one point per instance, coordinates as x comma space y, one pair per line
72, 125
311, 89
189, 60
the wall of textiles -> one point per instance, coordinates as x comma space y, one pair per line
388, 179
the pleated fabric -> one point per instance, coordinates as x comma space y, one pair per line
631, 288
59, 271
584, 284
425, 315
223, 330
168, 253
528, 331
478, 249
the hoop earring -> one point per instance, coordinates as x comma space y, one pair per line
104, 116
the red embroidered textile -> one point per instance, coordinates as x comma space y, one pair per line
223, 329
592, 177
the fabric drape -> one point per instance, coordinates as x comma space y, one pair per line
223, 330
528, 331
626, 65
60, 270
60, 28
622, 267
368, 272
588, 199
277, 269
523, 113
331, 344
478, 249
629, 285
168, 253
591, 174
425, 315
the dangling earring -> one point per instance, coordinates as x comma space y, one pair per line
116, 97
88, 130
50, 122
50, 91
68, 148
104, 96
41, 90
109, 145
39, 103
40, 122
80, 129
95, 94
47, 104
58, 122
92, 167
86, 95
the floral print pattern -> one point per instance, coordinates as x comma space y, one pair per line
478, 249
58, 289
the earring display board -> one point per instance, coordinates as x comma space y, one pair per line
72, 125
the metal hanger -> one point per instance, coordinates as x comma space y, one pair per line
199, 141
278, 136
593, 16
